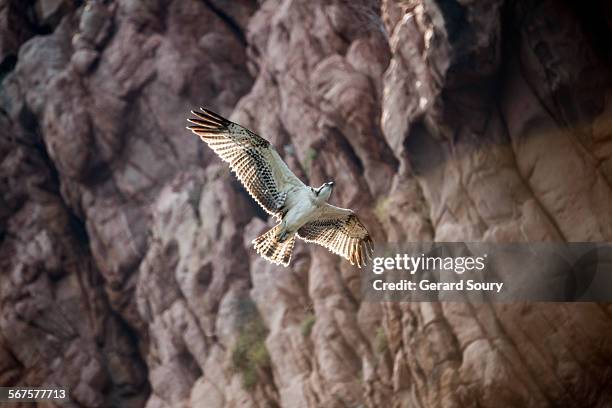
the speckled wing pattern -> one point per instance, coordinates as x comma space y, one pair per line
340, 231
256, 163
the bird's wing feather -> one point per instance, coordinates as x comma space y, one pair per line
340, 231
256, 163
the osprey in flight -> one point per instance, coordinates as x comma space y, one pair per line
302, 211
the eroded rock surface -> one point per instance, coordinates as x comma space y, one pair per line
127, 270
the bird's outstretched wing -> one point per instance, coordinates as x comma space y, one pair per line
340, 231
256, 163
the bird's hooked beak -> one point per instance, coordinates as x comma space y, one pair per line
331, 184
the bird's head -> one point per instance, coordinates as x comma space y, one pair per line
324, 191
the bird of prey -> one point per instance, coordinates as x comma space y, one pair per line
302, 211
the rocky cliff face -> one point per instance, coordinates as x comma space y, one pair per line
127, 273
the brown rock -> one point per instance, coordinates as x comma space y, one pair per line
49, 12
14, 31
126, 267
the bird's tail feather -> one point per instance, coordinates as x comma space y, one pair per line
273, 250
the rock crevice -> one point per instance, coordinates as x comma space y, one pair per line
126, 267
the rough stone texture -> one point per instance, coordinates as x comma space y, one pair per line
127, 272
15, 29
